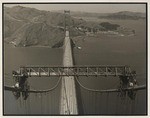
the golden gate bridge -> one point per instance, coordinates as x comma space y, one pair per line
70, 102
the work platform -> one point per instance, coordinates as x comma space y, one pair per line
97, 70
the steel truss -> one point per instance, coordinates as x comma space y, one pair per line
98, 70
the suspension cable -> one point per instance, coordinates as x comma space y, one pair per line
110, 90
36, 91
95, 90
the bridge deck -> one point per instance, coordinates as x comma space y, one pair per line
68, 92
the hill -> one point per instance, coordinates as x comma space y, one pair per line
25, 26
124, 15
128, 15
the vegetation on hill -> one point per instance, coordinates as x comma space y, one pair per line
37, 34
28, 26
109, 26
25, 26
124, 15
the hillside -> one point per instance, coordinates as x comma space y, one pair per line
11, 25
28, 26
124, 15
36, 34
25, 26
128, 15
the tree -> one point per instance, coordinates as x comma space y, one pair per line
109, 26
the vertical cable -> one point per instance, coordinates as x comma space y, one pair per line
48, 103
137, 100
25, 107
130, 106
127, 104
20, 102
29, 104
107, 102
55, 101
92, 99
83, 104
41, 102
17, 105
95, 102
117, 98
133, 106
37, 101
100, 106
88, 101
52, 103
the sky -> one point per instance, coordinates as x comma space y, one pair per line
97, 8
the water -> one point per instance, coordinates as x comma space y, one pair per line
104, 50
38, 103
112, 50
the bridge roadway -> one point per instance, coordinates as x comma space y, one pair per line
68, 91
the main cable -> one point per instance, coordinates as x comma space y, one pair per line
36, 91
110, 90
94, 90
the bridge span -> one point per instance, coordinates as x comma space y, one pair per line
68, 91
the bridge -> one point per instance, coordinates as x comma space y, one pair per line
68, 79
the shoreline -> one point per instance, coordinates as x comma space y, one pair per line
36, 46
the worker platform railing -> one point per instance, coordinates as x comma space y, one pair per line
98, 70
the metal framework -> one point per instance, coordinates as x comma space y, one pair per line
98, 70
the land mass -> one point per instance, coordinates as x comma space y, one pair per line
24, 26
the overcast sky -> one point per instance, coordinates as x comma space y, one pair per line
98, 8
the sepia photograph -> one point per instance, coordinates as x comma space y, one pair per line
74, 59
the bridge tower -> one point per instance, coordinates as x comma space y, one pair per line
66, 19
68, 103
